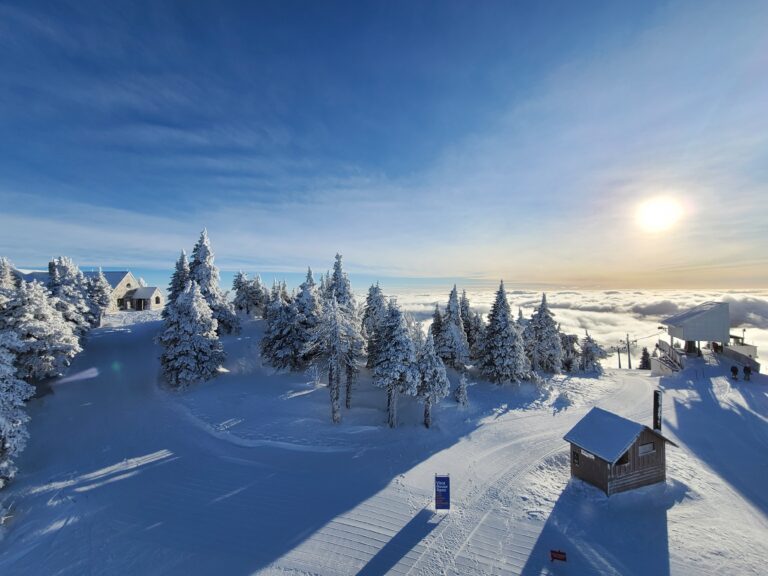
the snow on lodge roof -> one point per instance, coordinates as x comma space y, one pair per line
604, 434
143, 293
114, 278
693, 313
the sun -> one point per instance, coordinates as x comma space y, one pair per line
658, 214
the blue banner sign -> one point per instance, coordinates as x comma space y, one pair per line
442, 492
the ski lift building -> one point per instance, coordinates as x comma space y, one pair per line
708, 322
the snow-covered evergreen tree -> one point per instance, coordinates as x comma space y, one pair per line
591, 354
258, 295
7, 280
336, 341
478, 331
460, 395
469, 323
436, 329
205, 273
13, 418
99, 297
241, 288
69, 291
309, 311
396, 370
374, 318
282, 345
340, 286
542, 340
570, 353
179, 281
503, 359
48, 342
645, 359
192, 351
452, 346
433, 381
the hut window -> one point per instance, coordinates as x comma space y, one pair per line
647, 448
128, 285
575, 458
624, 459
157, 299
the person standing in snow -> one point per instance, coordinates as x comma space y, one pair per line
734, 373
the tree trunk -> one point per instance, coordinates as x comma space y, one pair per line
333, 386
350, 381
392, 406
428, 412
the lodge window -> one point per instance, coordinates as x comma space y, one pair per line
646, 449
128, 285
157, 299
624, 459
120, 301
575, 458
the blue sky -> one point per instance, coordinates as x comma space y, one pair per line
450, 139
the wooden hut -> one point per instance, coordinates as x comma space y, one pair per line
616, 454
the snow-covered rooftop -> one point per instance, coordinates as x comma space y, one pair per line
604, 434
114, 278
142, 293
690, 314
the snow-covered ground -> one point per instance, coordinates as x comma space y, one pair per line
246, 474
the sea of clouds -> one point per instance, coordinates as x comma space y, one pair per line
610, 315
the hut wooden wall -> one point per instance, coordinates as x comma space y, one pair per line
592, 470
639, 470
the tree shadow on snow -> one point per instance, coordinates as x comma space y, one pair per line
624, 534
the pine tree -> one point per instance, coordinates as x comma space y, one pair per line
205, 273
453, 347
645, 360
433, 381
503, 359
374, 318
282, 345
99, 296
591, 354
460, 395
570, 353
395, 370
192, 351
470, 325
48, 342
179, 281
69, 291
13, 419
542, 340
336, 341
478, 330
340, 286
241, 288
258, 296
308, 310
7, 280
436, 329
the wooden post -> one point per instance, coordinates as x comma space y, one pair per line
629, 357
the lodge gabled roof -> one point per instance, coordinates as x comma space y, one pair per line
692, 313
607, 435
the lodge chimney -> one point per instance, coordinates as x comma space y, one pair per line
657, 410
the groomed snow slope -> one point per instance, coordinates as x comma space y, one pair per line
246, 474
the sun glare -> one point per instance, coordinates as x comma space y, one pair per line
659, 214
